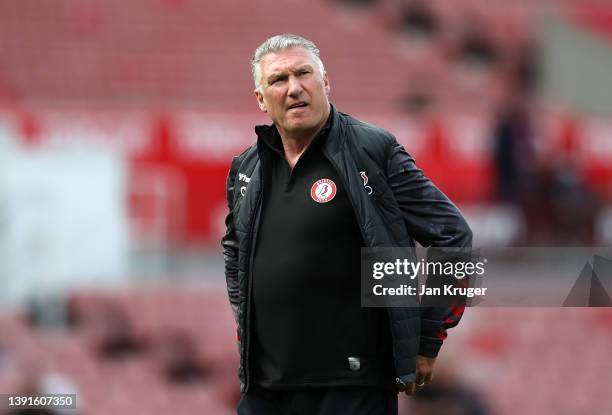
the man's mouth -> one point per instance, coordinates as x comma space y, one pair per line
297, 105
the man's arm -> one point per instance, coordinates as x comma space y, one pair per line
432, 218
434, 221
230, 244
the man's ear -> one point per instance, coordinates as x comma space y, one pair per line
260, 100
326, 84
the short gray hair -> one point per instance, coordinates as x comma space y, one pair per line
279, 43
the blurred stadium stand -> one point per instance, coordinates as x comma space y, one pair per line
150, 352
117, 124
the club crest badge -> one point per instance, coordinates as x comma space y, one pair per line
323, 191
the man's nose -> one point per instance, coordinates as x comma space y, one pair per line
295, 87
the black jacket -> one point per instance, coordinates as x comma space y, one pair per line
401, 207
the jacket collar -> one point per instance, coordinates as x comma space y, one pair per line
268, 136
336, 136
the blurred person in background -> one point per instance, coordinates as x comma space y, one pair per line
557, 204
514, 152
568, 207
316, 187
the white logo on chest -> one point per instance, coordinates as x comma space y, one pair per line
365, 179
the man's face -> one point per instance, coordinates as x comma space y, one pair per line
293, 92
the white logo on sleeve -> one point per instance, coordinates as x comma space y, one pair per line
244, 178
323, 191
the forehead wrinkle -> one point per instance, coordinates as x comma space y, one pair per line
270, 66
291, 69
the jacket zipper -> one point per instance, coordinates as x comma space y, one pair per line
363, 235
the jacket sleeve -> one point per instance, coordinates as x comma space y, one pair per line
230, 244
434, 221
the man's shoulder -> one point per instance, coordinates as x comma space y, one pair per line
367, 129
250, 153
368, 135
245, 162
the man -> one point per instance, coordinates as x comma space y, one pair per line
316, 187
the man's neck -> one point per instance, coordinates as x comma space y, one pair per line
295, 144
294, 147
